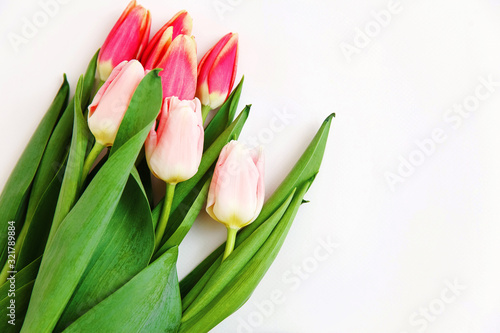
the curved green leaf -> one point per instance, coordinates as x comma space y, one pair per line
149, 302
71, 183
125, 250
81, 231
38, 229
239, 289
15, 192
58, 144
13, 323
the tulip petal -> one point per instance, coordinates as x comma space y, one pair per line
127, 39
236, 192
179, 69
179, 143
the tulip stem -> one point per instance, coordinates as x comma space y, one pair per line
165, 213
231, 239
89, 161
205, 109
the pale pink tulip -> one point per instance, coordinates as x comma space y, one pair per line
174, 149
112, 100
217, 71
236, 193
126, 41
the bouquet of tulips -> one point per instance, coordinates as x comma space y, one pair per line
85, 246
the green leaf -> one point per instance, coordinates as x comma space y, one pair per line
58, 145
145, 176
22, 296
15, 193
24, 281
71, 183
223, 117
89, 81
210, 156
24, 276
149, 302
305, 169
81, 231
38, 229
221, 274
239, 289
125, 250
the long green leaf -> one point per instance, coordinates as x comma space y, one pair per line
234, 294
69, 254
24, 276
23, 281
58, 144
125, 249
39, 226
70, 187
12, 321
15, 192
305, 169
150, 302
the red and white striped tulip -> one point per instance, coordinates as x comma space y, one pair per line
174, 149
236, 193
217, 71
178, 60
112, 100
126, 41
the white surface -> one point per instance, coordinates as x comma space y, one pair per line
397, 250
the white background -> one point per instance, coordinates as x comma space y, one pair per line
398, 248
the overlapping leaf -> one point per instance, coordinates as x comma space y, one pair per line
81, 231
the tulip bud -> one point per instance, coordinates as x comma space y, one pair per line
126, 41
236, 193
111, 101
173, 151
217, 71
180, 24
178, 60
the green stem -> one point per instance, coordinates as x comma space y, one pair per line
89, 161
231, 239
205, 109
165, 213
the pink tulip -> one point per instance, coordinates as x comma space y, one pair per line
217, 71
178, 60
180, 24
236, 193
126, 41
111, 101
173, 151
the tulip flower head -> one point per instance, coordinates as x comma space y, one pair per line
236, 193
126, 41
178, 60
180, 24
217, 71
111, 101
174, 149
